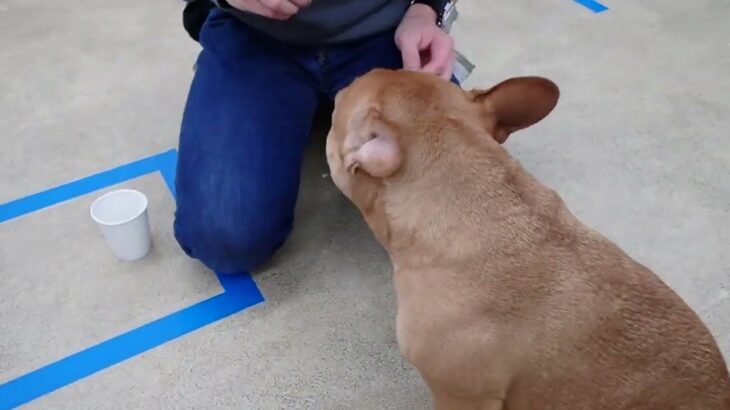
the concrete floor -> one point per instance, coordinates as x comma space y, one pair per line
637, 147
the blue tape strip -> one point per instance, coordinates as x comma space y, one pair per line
593, 5
94, 359
32, 203
239, 292
167, 166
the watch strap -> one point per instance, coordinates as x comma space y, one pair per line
438, 6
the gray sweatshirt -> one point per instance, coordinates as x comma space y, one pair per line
331, 21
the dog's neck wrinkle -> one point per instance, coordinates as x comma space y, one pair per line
430, 226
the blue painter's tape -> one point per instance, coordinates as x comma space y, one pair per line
115, 350
239, 292
167, 167
593, 5
32, 203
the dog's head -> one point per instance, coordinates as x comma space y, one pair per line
391, 126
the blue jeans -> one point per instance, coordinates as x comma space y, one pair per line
246, 122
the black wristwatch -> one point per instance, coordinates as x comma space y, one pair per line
439, 6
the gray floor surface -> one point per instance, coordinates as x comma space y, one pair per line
638, 147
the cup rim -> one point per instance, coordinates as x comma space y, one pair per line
123, 221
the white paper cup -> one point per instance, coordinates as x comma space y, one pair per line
122, 219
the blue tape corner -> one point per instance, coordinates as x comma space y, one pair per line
239, 292
592, 5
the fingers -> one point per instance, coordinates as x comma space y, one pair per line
301, 3
449, 70
410, 52
426, 49
262, 10
275, 9
442, 56
281, 7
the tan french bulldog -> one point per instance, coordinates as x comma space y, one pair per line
505, 300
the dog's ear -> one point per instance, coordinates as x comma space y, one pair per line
515, 104
371, 145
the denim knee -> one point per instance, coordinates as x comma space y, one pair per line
230, 248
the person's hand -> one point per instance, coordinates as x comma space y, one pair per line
425, 47
275, 9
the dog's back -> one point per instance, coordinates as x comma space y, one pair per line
505, 299
607, 332
593, 328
